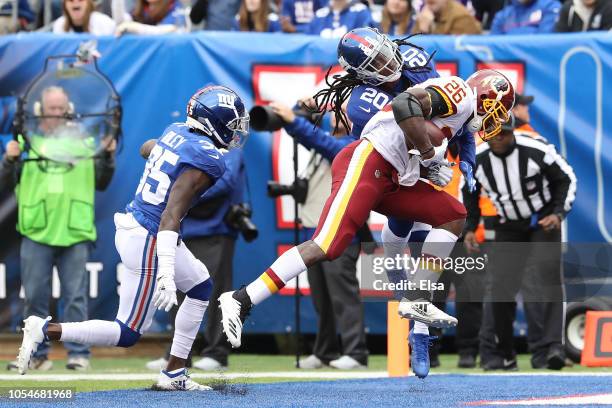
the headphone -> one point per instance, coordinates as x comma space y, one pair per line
37, 107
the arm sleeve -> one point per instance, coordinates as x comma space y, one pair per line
104, 168
198, 11
229, 180
313, 137
467, 148
606, 18
470, 201
498, 22
562, 181
287, 9
562, 25
549, 18
8, 174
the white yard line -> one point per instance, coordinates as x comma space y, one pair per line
331, 375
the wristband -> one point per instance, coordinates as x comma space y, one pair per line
167, 241
426, 151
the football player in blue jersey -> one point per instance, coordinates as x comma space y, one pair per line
182, 164
371, 81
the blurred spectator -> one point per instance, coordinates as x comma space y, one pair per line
446, 17
255, 15
338, 18
56, 221
24, 14
585, 15
526, 17
155, 17
219, 14
485, 11
296, 14
397, 17
80, 17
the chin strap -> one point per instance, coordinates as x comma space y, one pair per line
475, 123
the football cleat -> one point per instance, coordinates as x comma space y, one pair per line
33, 336
233, 315
419, 353
425, 312
177, 380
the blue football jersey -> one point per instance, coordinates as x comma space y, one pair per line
366, 100
330, 24
301, 11
175, 151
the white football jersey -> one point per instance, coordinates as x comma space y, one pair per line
388, 139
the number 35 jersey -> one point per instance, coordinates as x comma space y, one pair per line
388, 139
175, 151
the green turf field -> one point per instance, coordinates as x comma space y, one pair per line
241, 363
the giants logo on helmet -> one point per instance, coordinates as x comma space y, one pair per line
227, 101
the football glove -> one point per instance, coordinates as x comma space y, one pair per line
468, 174
440, 173
165, 292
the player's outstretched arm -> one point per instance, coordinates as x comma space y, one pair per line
190, 184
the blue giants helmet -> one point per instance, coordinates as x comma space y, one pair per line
371, 56
219, 112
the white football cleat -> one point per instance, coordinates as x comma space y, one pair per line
33, 336
231, 312
425, 312
177, 380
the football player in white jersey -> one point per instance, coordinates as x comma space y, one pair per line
381, 172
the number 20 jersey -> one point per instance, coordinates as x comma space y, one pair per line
388, 139
177, 150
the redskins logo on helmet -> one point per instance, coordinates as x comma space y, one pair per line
494, 98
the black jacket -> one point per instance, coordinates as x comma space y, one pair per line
569, 21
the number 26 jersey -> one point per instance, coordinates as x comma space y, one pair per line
177, 150
388, 139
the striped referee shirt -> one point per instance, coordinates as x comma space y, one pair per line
531, 178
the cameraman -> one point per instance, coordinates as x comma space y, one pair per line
56, 219
210, 231
334, 285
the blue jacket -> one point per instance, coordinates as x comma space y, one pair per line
328, 24
313, 137
301, 12
538, 17
231, 186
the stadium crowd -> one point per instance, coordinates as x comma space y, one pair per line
330, 19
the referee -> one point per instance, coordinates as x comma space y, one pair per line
532, 188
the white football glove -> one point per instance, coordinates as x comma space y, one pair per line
440, 173
165, 292
439, 154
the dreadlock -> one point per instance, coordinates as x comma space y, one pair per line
339, 87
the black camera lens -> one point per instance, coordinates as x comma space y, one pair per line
263, 118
